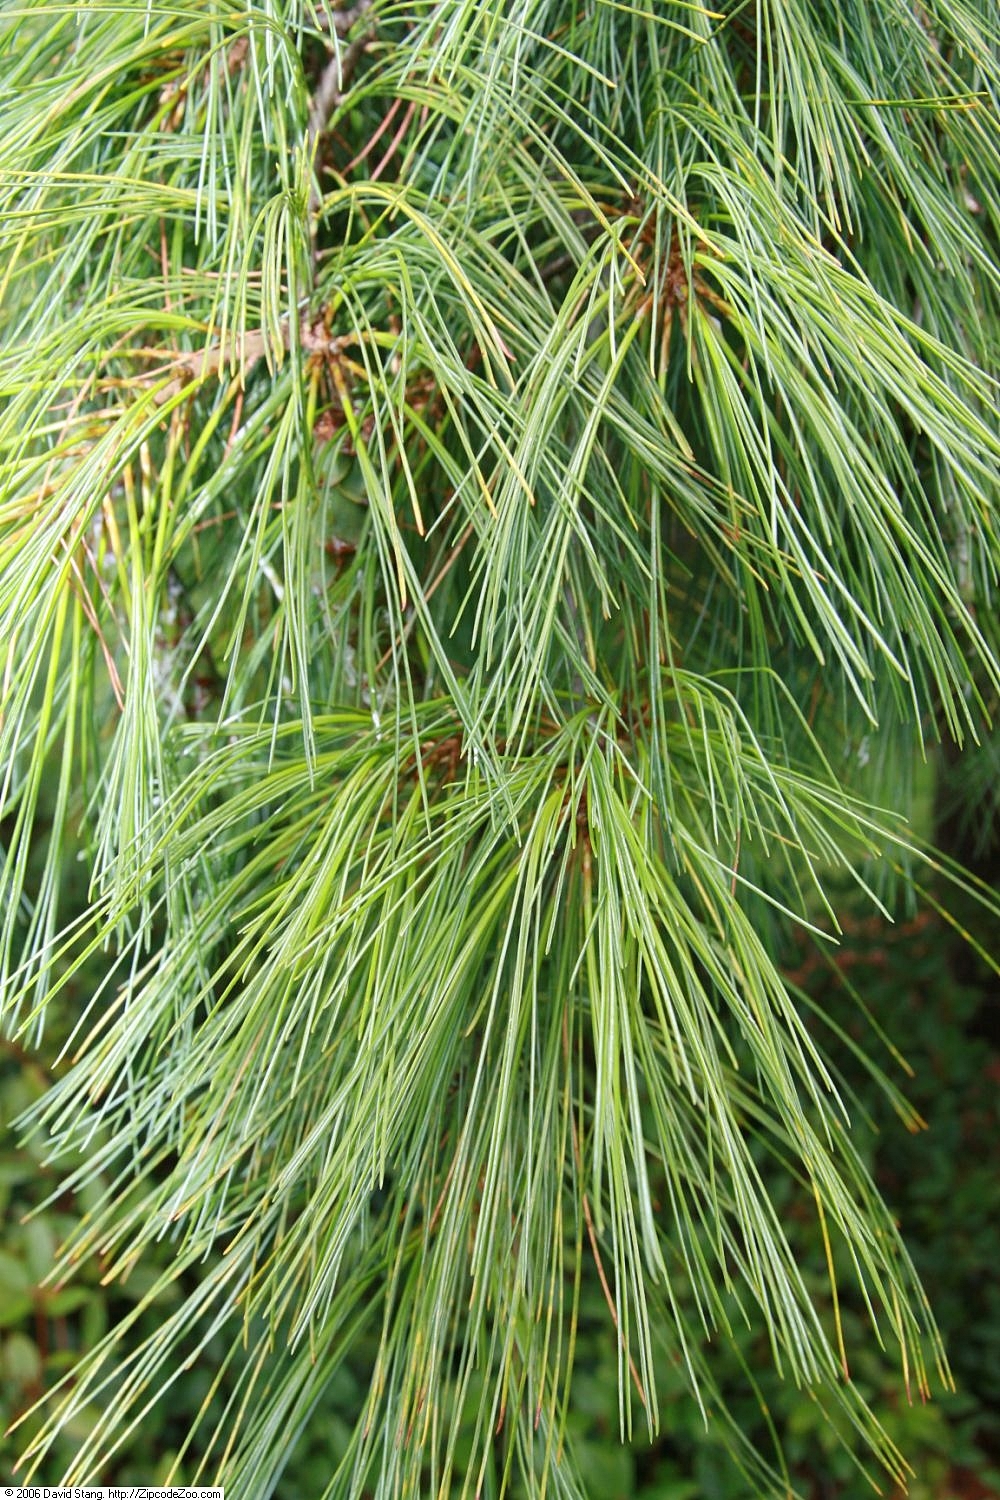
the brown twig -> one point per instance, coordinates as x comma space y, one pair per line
250, 345
333, 83
343, 19
393, 146
331, 87
374, 138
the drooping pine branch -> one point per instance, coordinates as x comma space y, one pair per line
492, 503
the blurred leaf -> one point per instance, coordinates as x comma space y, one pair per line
21, 1361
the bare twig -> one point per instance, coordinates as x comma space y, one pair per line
247, 347
329, 94
343, 19
374, 139
331, 87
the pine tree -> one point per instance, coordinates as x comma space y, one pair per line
496, 500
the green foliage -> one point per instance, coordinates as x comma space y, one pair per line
474, 487
942, 1184
47, 1325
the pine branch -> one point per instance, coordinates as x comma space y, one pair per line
584, 574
